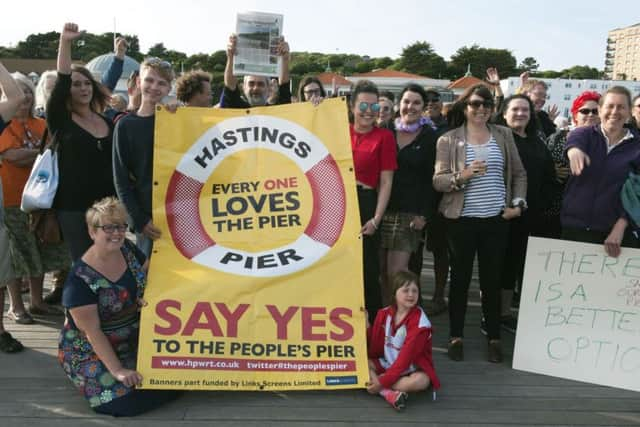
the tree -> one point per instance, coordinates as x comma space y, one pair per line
480, 58
529, 64
158, 50
39, 46
384, 62
581, 72
420, 58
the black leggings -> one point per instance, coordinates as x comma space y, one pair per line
367, 200
487, 237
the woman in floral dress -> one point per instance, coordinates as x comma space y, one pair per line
99, 342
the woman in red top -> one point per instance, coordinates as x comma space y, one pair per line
399, 345
374, 159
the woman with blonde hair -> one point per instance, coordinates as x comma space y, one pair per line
98, 344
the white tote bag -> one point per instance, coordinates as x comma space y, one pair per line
42, 183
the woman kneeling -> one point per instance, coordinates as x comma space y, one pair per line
98, 344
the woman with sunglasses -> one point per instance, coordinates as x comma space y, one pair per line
412, 202
601, 157
103, 294
82, 137
518, 113
374, 160
484, 184
584, 111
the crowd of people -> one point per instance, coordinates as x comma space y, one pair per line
474, 182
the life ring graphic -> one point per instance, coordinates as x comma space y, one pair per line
188, 179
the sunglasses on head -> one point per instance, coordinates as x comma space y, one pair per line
364, 106
155, 61
586, 111
477, 104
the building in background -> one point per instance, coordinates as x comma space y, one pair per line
562, 92
394, 81
622, 57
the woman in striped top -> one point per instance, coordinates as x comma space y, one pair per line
484, 184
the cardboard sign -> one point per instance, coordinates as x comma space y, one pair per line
580, 314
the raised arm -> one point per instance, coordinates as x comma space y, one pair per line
12, 92
69, 34
114, 72
230, 81
283, 51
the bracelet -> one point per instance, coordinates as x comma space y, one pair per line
373, 222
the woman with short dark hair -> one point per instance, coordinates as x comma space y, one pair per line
484, 184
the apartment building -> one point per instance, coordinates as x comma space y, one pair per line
622, 58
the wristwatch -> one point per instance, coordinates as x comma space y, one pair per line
519, 203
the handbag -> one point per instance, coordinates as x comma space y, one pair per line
41, 186
44, 224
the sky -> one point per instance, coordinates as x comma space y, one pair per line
558, 34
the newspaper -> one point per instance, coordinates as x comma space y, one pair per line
256, 49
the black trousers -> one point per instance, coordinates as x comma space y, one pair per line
488, 238
518, 236
367, 200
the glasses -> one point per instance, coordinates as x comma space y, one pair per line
364, 106
432, 99
477, 104
111, 228
312, 92
586, 111
386, 108
157, 62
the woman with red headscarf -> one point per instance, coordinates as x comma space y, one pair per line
584, 111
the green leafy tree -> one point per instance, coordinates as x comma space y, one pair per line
39, 46
420, 58
581, 72
384, 62
529, 64
480, 58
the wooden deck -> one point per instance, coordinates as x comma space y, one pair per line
35, 392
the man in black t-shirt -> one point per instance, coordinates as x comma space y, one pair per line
255, 88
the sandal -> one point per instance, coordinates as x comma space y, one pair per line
23, 318
9, 344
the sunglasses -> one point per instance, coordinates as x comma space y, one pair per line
111, 228
477, 104
155, 61
586, 111
364, 106
432, 99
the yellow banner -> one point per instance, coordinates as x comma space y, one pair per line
256, 283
